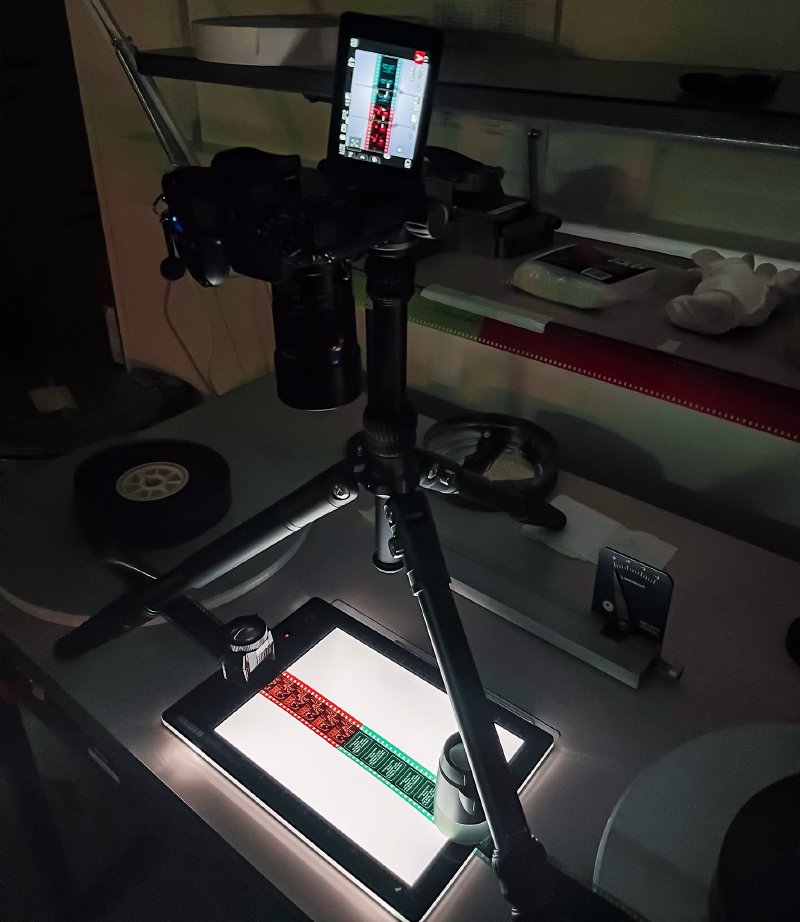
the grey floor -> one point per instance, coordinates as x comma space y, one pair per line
130, 857
92, 827
131, 851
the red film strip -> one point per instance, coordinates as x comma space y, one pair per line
737, 398
311, 708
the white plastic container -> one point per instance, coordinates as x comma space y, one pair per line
267, 41
588, 277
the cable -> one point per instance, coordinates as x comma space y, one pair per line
261, 308
207, 380
231, 337
266, 345
210, 335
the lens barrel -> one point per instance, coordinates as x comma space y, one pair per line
317, 356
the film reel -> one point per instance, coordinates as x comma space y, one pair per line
153, 493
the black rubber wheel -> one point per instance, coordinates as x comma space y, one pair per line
152, 494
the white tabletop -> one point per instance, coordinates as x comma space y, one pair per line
731, 606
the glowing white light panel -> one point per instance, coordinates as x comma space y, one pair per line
403, 708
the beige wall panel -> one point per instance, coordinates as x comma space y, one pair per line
223, 331
751, 192
281, 123
736, 33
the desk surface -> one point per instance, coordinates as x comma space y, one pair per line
731, 606
757, 352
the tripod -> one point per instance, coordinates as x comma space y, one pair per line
383, 460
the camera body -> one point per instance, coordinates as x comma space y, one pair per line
264, 216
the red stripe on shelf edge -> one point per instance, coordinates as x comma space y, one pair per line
746, 401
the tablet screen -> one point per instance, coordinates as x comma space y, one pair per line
339, 737
357, 738
386, 72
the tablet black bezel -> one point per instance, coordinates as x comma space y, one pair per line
196, 715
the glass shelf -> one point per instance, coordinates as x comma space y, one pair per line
747, 378
619, 94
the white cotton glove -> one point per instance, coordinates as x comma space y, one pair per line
732, 293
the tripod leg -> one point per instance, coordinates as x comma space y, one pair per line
519, 860
323, 494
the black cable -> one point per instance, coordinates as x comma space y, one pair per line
207, 381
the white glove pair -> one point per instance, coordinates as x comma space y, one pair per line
732, 293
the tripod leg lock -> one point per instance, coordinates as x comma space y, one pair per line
442, 475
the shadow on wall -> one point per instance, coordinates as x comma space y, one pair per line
592, 452
780, 495
605, 194
717, 198
595, 453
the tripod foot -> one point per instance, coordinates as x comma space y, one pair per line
392, 566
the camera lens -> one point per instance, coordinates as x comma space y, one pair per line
317, 357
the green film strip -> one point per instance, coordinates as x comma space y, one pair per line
413, 782
396, 769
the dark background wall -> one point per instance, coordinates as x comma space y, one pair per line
52, 254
